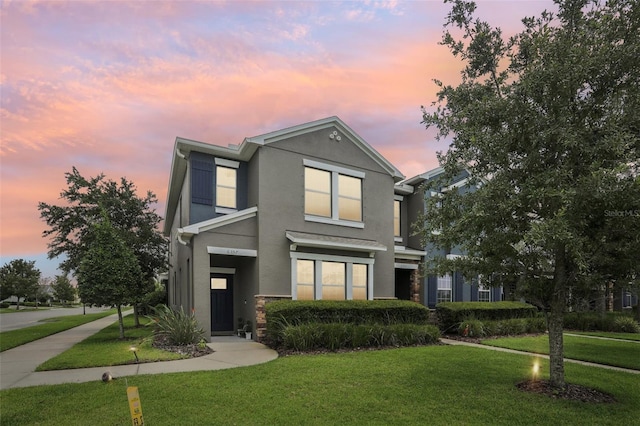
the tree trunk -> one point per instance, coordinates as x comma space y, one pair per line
555, 322
121, 322
601, 302
136, 317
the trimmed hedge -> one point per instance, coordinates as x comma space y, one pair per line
451, 314
335, 336
594, 321
508, 327
283, 314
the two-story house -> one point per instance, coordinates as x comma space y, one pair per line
300, 213
409, 203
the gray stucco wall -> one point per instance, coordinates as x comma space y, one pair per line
236, 235
281, 207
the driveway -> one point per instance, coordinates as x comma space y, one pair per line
17, 320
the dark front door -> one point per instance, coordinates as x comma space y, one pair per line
221, 302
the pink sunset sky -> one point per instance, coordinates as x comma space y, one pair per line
107, 86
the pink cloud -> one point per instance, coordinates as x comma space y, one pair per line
111, 91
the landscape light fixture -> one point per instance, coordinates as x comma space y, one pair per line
536, 369
134, 349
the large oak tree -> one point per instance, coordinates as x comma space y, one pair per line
548, 124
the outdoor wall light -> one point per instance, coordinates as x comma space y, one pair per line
134, 349
536, 369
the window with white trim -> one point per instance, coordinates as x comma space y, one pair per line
445, 288
305, 279
331, 277
484, 293
332, 194
396, 218
226, 185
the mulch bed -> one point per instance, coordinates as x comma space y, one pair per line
191, 351
570, 392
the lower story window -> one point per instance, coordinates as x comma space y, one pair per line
445, 289
484, 294
626, 300
331, 278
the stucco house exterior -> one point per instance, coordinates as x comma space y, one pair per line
409, 203
304, 212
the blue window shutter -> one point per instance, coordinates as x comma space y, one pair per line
202, 180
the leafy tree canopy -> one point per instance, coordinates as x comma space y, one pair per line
86, 199
19, 278
548, 125
62, 289
109, 270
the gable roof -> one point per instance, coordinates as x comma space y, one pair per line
244, 152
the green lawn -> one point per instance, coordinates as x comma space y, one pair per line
105, 348
11, 339
610, 352
435, 385
621, 336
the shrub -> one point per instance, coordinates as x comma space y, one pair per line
335, 336
508, 327
471, 328
4, 305
593, 321
284, 313
451, 314
152, 300
177, 327
626, 325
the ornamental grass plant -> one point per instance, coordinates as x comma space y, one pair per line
175, 326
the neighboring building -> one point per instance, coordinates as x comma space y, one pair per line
429, 290
299, 213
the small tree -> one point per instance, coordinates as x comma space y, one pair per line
63, 290
109, 271
19, 278
547, 125
86, 201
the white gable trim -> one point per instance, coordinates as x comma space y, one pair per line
217, 222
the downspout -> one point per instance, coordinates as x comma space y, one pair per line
180, 240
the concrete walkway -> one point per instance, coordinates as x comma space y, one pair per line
512, 351
17, 365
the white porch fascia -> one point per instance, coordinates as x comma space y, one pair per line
402, 252
329, 242
217, 222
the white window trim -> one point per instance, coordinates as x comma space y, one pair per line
399, 198
318, 259
335, 172
483, 288
227, 163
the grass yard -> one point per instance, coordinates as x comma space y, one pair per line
11, 339
609, 352
105, 348
621, 336
436, 385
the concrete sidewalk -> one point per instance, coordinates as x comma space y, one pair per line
17, 365
512, 351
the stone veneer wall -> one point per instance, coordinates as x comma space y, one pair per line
415, 286
261, 318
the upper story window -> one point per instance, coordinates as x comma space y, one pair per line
226, 185
396, 218
332, 194
226, 182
